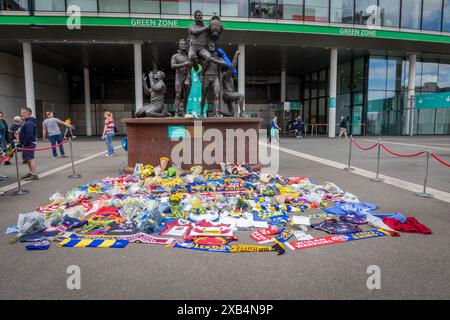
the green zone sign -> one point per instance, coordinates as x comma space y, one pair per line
433, 100
86, 21
156, 23
364, 33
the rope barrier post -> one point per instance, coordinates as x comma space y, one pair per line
74, 175
349, 168
377, 179
425, 194
19, 191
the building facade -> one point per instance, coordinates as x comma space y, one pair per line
382, 64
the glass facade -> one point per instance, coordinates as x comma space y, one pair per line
290, 9
85, 5
341, 11
446, 16
411, 14
387, 95
372, 95
316, 10
430, 15
234, 8
144, 6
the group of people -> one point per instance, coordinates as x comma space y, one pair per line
23, 134
296, 127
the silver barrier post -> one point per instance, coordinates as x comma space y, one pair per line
376, 179
19, 191
349, 168
74, 175
425, 194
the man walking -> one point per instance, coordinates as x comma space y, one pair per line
27, 140
299, 128
51, 125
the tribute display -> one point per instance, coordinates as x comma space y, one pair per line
211, 68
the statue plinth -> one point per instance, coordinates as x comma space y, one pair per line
151, 138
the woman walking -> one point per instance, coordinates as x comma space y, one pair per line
275, 129
343, 128
108, 133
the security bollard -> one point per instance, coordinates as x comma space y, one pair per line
19, 191
425, 194
377, 179
349, 168
74, 175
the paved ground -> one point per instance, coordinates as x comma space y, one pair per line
412, 266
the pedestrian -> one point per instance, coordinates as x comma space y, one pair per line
13, 134
3, 132
299, 129
343, 128
27, 140
275, 129
69, 133
51, 126
108, 133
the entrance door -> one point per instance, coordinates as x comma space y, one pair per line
356, 120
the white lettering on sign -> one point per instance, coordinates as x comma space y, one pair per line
358, 32
161, 23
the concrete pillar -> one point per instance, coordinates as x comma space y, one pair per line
411, 94
29, 77
241, 70
87, 101
283, 86
138, 89
332, 99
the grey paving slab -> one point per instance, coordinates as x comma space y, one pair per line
412, 266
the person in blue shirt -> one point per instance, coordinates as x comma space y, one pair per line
27, 140
275, 129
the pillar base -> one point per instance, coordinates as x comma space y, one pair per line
349, 169
424, 195
20, 192
376, 179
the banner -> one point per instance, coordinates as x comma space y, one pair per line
328, 240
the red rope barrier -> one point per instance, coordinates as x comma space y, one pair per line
48, 148
440, 160
361, 147
402, 155
6, 157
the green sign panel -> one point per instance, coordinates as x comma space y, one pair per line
332, 102
177, 132
433, 100
295, 105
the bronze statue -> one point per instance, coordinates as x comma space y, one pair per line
211, 78
198, 38
181, 64
157, 93
229, 95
